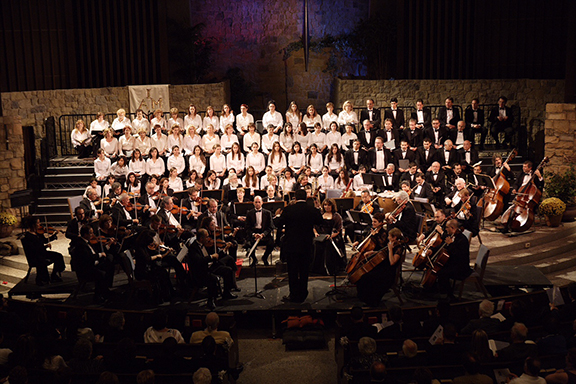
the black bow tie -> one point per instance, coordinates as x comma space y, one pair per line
502, 109
379, 150
467, 151
448, 109
258, 210
435, 174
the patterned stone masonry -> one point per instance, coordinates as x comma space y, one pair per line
12, 174
560, 130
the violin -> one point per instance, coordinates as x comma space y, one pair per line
200, 201
102, 239
220, 244
394, 214
40, 230
170, 229
130, 206
368, 207
227, 230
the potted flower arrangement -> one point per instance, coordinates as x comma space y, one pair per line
7, 222
563, 186
552, 208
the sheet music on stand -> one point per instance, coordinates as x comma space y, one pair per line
404, 163
358, 217
423, 206
374, 180
488, 182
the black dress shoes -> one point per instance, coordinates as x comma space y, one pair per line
229, 296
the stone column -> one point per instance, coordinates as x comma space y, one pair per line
12, 173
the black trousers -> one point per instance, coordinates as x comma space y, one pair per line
101, 274
42, 263
268, 241
298, 272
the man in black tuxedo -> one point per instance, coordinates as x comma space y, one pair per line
121, 216
427, 154
501, 167
395, 114
410, 175
391, 178
437, 134
87, 203
367, 135
194, 206
524, 177
390, 133
437, 180
74, 225
423, 189
478, 183
150, 203
460, 134
354, 158
406, 221
468, 156
379, 157
448, 115
501, 119
458, 265
423, 116
298, 221
271, 195
474, 119
413, 135
403, 153
371, 114
217, 215
448, 156
259, 226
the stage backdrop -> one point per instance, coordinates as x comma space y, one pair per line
149, 97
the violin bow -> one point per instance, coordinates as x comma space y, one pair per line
135, 207
180, 219
101, 244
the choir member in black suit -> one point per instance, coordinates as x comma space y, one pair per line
371, 114
468, 156
410, 175
390, 133
474, 119
460, 134
437, 134
271, 195
448, 156
437, 180
355, 157
501, 119
458, 265
259, 225
427, 154
413, 135
403, 153
524, 177
422, 115
395, 114
379, 157
367, 135
448, 115
391, 178
422, 189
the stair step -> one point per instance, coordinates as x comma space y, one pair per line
547, 235
559, 262
62, 192
537, 253
562, 278
52, 200
12, 275
55, 218
53, 208
74, 170
67, 179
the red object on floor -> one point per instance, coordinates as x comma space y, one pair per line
239, 267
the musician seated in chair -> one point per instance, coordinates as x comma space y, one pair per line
458, 265
525, 176
465, 211
453, 197
365, 205
259, 226
403, 218
439, 225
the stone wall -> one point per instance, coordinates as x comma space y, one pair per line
12, 174
560, 129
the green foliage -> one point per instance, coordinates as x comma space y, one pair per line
562, 185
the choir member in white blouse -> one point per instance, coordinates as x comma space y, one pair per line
127, 142
158, 119
255, 159
175, 138
287, 181
277, 159
319, 138
133, 184
287, 138
347, 116
81, 140
235, 159
296, 158
98, 126
159, 140
250, 180
243, 119
176, 160
211, 119
268, 175
325, 181
155, 164
212, 182
342, 180
250, 138
110, 144
174, 181
228, 138
358, 181
120, 169
315, 161
334, 160
348, 138
218, 162
197, 161
174, 119
193, 119
191, 140
273, 117
312, 117
143, 142
269, 139
120, 122
329, 116
333, 136
209, 140
155, 181
192, 179
102, 165
293, 114
111, 180
227, 117
140, 122
137, 164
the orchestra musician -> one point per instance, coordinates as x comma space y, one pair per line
458, 265
150, 202
477, 184
326, 258
422, 189
365, 205
437, 180
170, 221
524, 177
467, 215
406, 220
440, 220
259, 226
453, 197
74, 225
120, 213
88, 204
194, 204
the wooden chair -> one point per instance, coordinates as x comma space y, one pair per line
477, 275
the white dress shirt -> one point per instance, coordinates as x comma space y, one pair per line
102, 167
127, 144
98, 126
208, 143
275, 119
161, 121
191, 142
176, 184
77, 137
333, 138
138, 167
176, 162
311, 121
268, 141
345, 140
319, 139
196, 164
237, 163
256, 160
195, 121
138, 124
110, 147
347, 118
161, 143
296, 161
328, 118
155, 167
242, 122
175, 140
277, 165
286, 141
250, 139
119, 125
227, 141
211, 120
315, 162
218, 163
143, 145
178, 121
292, 118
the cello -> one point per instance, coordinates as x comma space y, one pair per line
520, 216
436, 263
494, 199
434, 240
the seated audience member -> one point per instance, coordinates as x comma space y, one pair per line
115, 331
531, 373
202, 376
408, 356
145, 377
520, 348
212, 320
169, 361
566, 375
363, 362
158, 332
82, 362
378, 372
473, 375
401, 327
553, 343
123, 358
359, 327
216, 364
446, 351
485, 322
480, 347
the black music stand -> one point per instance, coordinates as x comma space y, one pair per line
258, 294
273, 206
260, 192
359, 217
344, 204
423, 207
240, 209
215, 194
377, 180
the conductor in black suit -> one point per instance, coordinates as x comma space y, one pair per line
395, 114
259, 225
298, 221
372, 114
448, 115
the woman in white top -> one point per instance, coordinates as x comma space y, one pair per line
142, 142
218, 162
334, 136
235, 159
192, 179
227, 117
212, 182
325, 181
312, 117
133, 184
348, 138
158, 119
193, 119
211, 119
342, 181
102, 166
269, 139
98, 126
303, 137
287, 137
287, 182
120, 122
154, 164
293, 114
319, 138
228, 139
296, 159
174, 119
315, 161
93, 184
334, 160
347, 116
209, 140
120, 169
277, 159
137, 165
251, 179
268, 175
175, 182
176, 160
191, 140
251, 137
273, 117
140, 122
81, 140
243, 119
329, 116
255, 159
110, 144
175, 138
127, 142
159, 140
197, 161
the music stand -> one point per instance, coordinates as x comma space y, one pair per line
344, 204
289, 196
215, 194
240, 209
423, 207
260, 192
359, 217
374, 179
232, 195
273, 206
258, 294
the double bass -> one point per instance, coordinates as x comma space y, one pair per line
493, 200
520, 216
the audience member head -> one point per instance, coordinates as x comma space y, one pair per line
471, 364
159, 319
212, 321
395, 313
479, 345
108, 377
409, 348
209, 346
82, 349
486, 308
532, 366
145, 377
378, 372
449, 333
519, 333
366, 346
117, 320
357, 314
169, 346
202, 376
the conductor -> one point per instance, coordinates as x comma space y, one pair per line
298, 221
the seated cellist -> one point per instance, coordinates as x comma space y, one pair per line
458, 265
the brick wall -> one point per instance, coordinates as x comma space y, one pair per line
560, 129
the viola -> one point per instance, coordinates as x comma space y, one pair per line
41, 230
102, 240
170, 229
130, 206
200, 201
227, 230
394, 214
369, 207
493, 199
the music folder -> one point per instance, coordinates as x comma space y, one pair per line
215, 194
240, 209
273, 206
404, 163
391, 145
